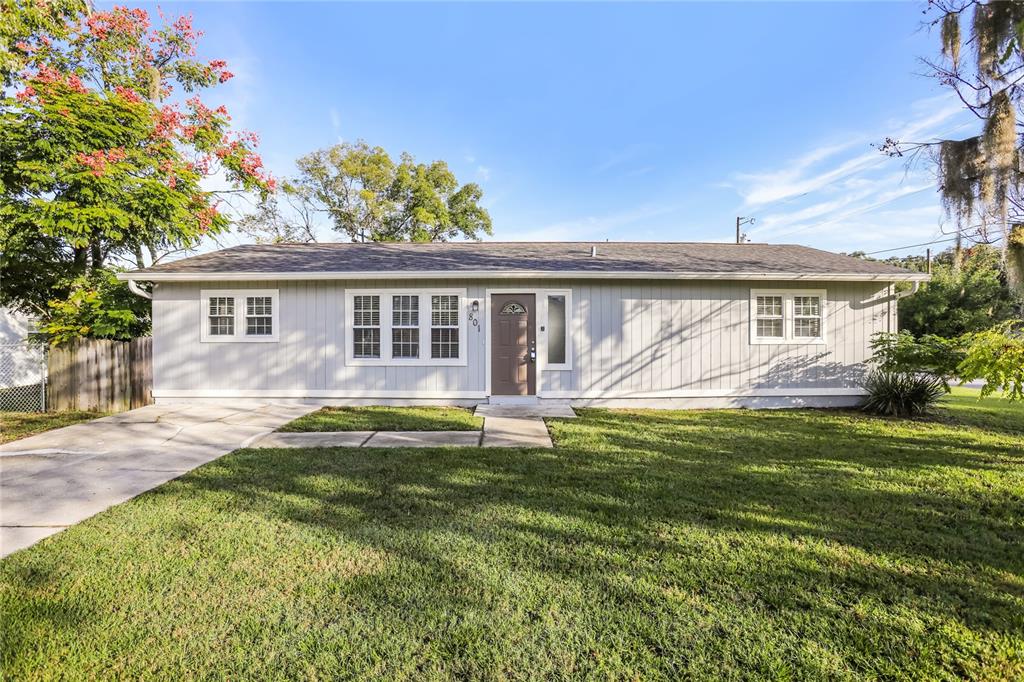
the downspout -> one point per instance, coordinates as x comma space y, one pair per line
139, 291
896, 296
915, 286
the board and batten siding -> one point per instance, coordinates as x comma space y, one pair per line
630, 339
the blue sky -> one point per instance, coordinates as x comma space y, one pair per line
612, 121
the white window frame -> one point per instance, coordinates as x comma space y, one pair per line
788, 317
546, 327
386, 306
379, 327
240, 308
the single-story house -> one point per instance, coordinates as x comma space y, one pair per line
638, 323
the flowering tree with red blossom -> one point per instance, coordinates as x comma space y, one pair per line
105, 141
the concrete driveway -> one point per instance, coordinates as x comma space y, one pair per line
55, 479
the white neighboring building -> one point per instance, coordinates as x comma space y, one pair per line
22, 365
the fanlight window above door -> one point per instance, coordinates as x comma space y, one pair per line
513, 308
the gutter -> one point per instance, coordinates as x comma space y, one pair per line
157, 276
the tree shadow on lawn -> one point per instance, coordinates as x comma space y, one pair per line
665, 539
910, 529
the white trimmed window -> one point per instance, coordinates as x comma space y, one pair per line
770, 322
444, 326
366, 326
405, 327
787, 316
243, 315
557, 317
259, 315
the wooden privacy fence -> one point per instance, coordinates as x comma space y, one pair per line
99, 374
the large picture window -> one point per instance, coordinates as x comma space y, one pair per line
795, 316
406, 327
241, 315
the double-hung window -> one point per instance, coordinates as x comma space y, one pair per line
397, 327
444, 326
259, 315
787, 316
770, 321
221, 315
405, 326
366, 326
243, 315
807, 317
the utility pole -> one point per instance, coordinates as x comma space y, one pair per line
740, 221
928, 256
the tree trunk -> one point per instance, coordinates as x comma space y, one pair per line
97, 255
81, 259
1015, 260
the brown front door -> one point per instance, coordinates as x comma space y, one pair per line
513, 344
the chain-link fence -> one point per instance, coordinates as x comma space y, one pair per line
22, 377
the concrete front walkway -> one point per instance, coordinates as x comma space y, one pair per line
505, 426
60, 477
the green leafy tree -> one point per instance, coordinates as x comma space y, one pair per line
21, 20
997, 356
104, 144
961, 299
97, 306
366, 195
980, 178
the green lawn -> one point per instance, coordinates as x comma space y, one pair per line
647, 545
15, 425
387, 419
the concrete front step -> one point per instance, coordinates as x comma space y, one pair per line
525, 411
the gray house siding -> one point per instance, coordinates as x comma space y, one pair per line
673, 342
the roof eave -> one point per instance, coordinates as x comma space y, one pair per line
143, 276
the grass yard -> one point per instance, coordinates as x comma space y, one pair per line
647, 545
387, 419
15, 425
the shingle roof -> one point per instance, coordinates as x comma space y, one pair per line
544, 259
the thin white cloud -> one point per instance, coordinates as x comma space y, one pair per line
810, 173
483, 172
850, 196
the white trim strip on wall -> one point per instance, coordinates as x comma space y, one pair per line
309, 393
453, 395
707, 393
516, 274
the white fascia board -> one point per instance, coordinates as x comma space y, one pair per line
516, 274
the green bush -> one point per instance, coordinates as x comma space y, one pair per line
929, 354
902, 394
997, 356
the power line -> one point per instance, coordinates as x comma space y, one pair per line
937, 241
911, 246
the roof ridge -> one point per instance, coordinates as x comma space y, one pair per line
506, 242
